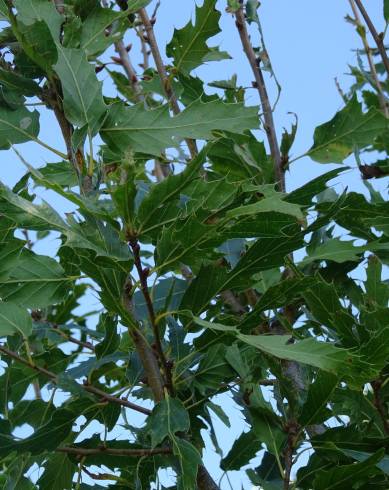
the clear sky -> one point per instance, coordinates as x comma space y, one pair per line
309, 44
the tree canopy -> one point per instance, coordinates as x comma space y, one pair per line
215, 290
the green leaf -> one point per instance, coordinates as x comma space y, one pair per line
209, 282
266, 205
349, 129
168, 417
39, 26
213, 370
17, 126
35, 281
4, 10
267, 428
30, 412
240, 156
61, 173
58, 473
341, 477
386, 10
28, 215
318, 395
82, 92
94, 38
86, 367
243, 450
217, 409
18, 84
32, 11
236, 359
324, 304
377, 291
166, 296
323, 355
151, 131
361, 456
155, 208
188, 46
46, 438
266, 253
14, 319
336, 250
304, 195
189, 459
287, 138
187, 241
111, 340
267, 475
15, 478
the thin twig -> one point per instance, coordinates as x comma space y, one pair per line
161, 171
362, 33
378, 38
91, 389
114, 399
83, 451
144, 49
129, 69
265, 102
151, 39
70, 338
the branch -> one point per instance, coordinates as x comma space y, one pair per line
143, 273
378, 38
161, 171
361, 31
151, 39
145, 352
111, 398
89, 388
229, 298
204, 480
266, 106
145, 52
83, 451
378, 403
60, 6
70, 338
129, 69
292, 429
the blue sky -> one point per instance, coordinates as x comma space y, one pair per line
309, 44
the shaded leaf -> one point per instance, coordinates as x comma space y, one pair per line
243, 450
17, 126
46, 438
189, 459
58, 473
339, 477
14, 319
168, 417
318, 395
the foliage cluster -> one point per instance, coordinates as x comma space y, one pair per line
210, 281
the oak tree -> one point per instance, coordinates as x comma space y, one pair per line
207, 289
